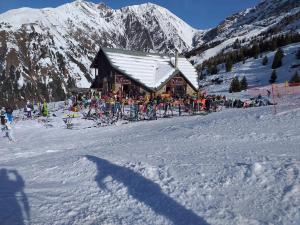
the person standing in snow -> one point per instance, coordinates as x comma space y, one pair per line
45, 111
39, 106
69, 102
2, 112
5, 127
9, 114
207, 104
269, 93
28, 109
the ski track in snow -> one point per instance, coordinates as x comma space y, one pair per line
232, 167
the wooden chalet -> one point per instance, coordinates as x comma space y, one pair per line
139, 73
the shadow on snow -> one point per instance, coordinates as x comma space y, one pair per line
13, 200
147, 192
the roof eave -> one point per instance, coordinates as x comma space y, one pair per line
127, 75
177, 71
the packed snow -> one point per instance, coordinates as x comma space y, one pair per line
237, 166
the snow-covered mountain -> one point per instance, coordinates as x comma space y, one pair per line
46, 51
268, 18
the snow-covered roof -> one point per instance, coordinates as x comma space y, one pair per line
150, 69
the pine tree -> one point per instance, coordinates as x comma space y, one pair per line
298, 54
202, 75
265, 60
273, 44
277, 62
236, 44
255, 50
212, 69
228, 65
244, 83
295, 78
235, 85
273, 77
242, 56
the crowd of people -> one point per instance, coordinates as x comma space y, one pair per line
113, 106
116, 106
36, 108
114, 103
31, 109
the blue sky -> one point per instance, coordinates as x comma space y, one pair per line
200, 14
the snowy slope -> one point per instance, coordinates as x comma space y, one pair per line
238, 166
257, 75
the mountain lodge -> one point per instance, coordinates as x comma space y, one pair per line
139, 73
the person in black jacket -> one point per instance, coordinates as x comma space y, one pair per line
207, 104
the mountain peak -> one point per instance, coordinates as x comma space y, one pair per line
79, 1
103, 6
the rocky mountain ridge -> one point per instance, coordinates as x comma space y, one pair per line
265, 20
45, 52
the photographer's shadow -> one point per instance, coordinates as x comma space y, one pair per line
146, 191
14, 206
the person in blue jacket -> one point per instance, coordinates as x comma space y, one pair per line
9, 114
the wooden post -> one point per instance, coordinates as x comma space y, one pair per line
274, 103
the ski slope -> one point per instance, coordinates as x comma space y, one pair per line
237, 166
257, 75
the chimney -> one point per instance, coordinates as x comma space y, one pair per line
176, 59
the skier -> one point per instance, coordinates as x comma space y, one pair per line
269, 93
6, 127
2, 111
